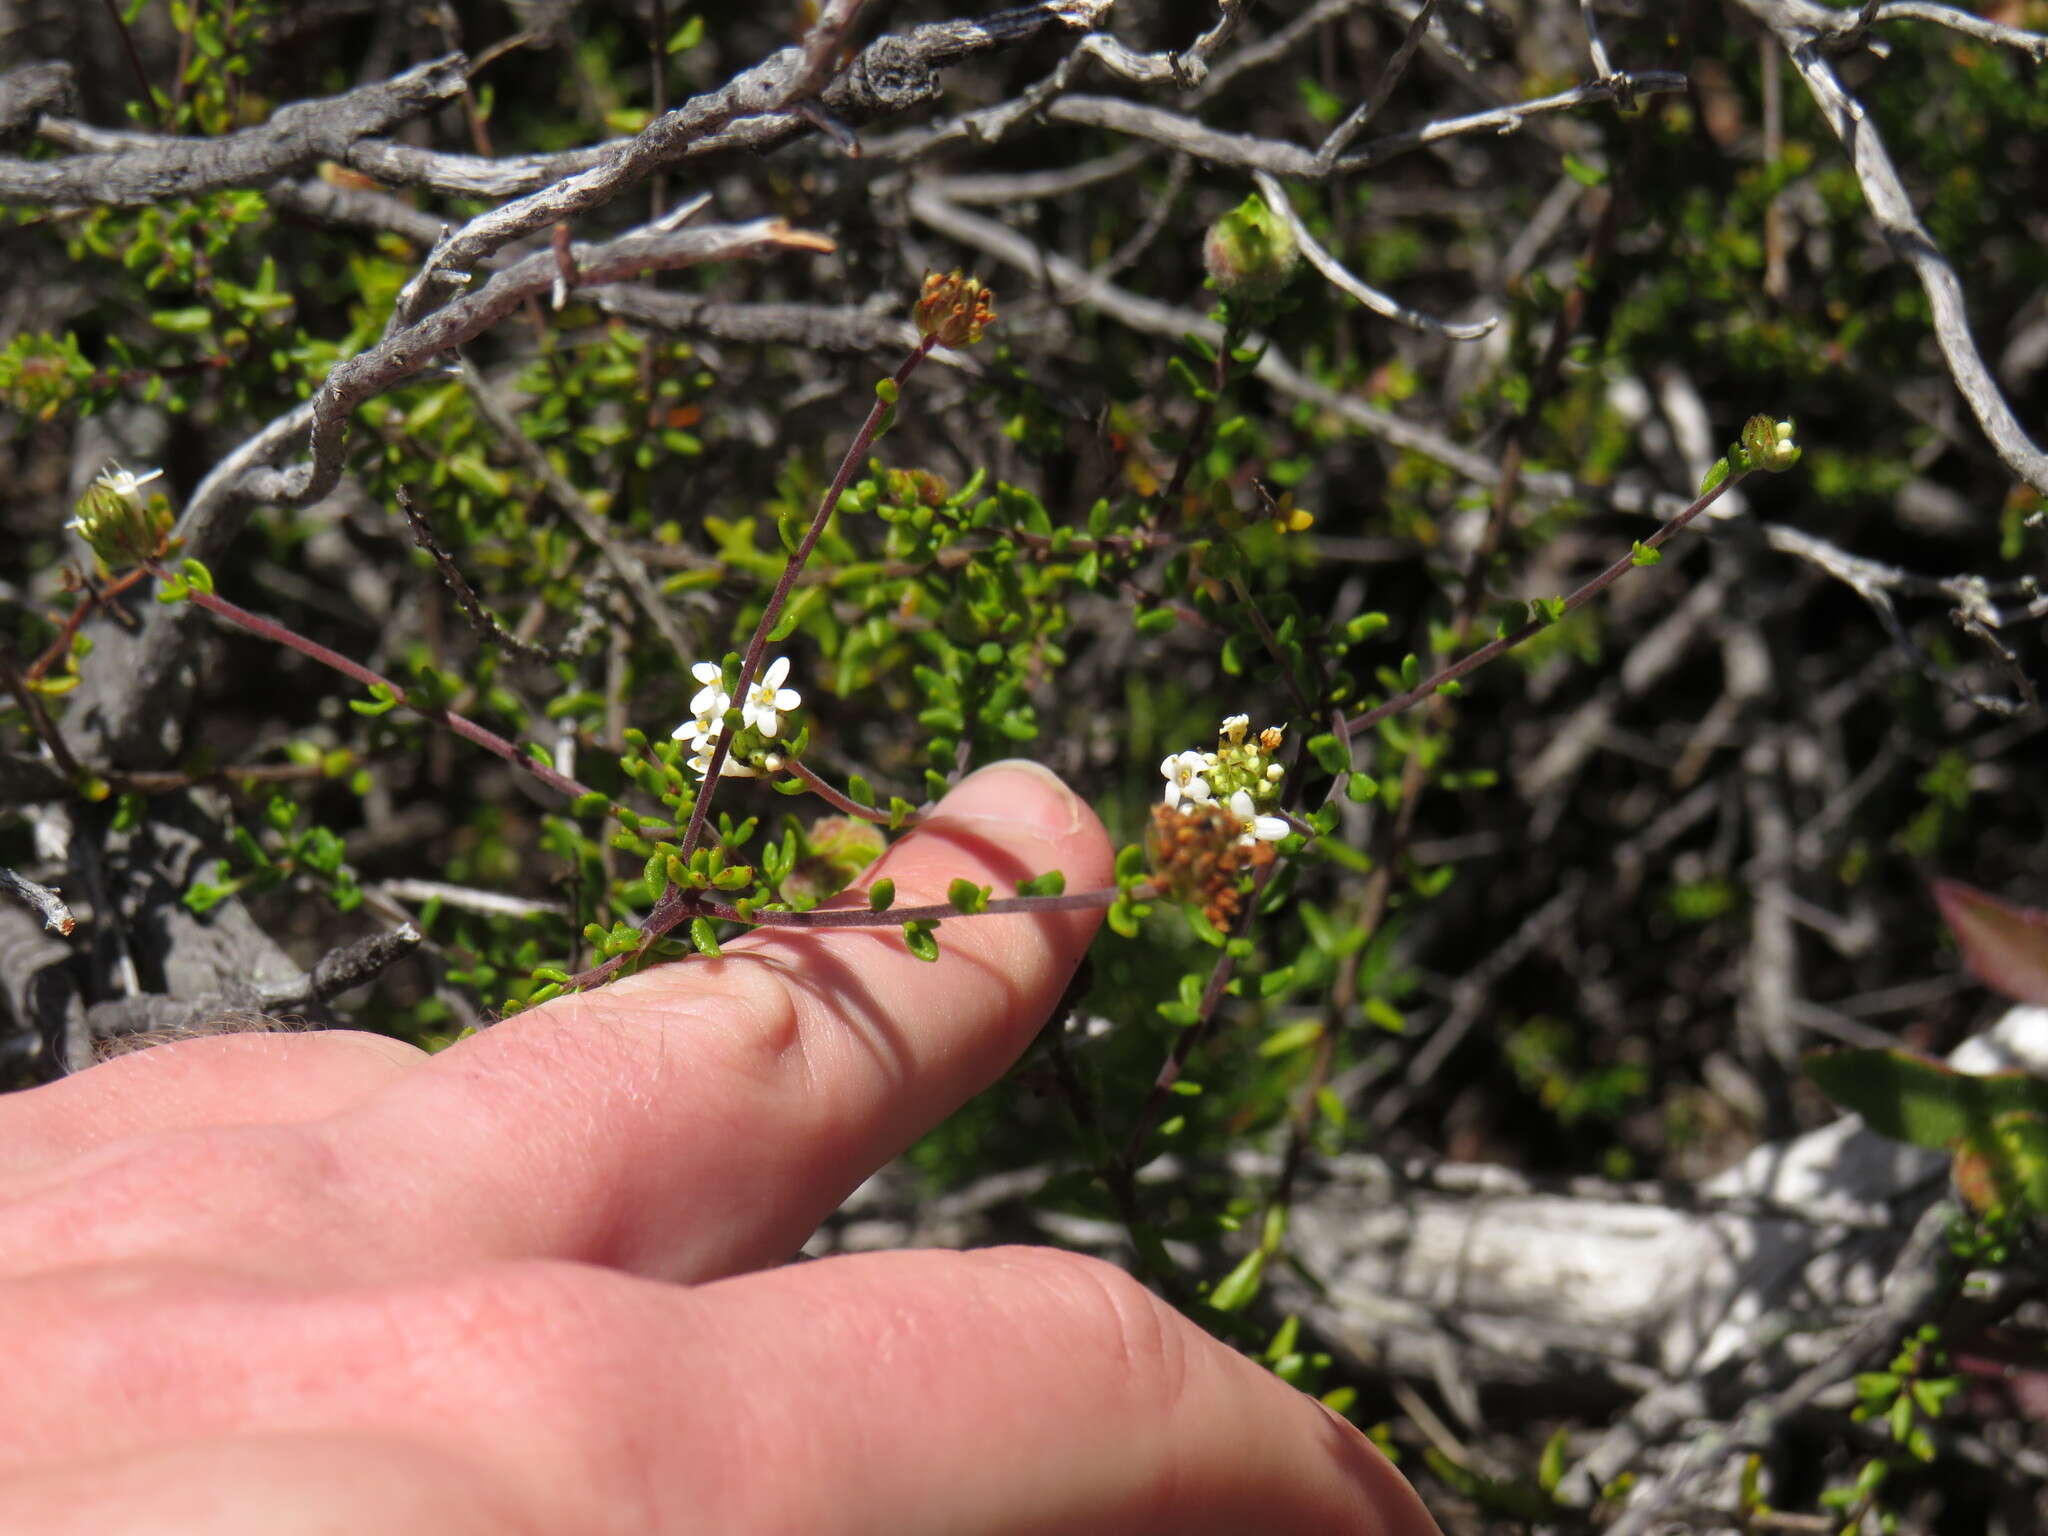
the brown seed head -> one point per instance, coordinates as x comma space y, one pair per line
954, 309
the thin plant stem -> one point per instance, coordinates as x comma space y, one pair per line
750, 666
843, 803
461, 725
95, 599
1496, 648
933, 912
39, 718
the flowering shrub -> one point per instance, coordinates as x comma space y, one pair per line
1585, 757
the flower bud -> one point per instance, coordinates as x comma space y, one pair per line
1769, 444
953, 309
123, 526
1250, 252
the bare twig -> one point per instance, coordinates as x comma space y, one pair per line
405, 352
294, 139
47, 904
1279, 158
1342, 280
1885, 194
1362, 115
487, 625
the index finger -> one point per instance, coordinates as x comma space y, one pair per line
692, 1121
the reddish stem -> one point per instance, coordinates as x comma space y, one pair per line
461, 725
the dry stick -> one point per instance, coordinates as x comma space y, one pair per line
296, 138
1367, 110
461, 725
48, 904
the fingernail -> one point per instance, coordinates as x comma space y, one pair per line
1015, 792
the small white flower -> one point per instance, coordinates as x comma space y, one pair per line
1234, 728
129, 486
711, 701
1275, 773
1184, 781
703, 742
1257, 828
767, 699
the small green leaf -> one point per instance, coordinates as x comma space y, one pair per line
1715, 474
382, 701
918, 939
1293, 1037
1051, 883
1641, 554
1585, 173
704, 936
1236, 1290
882, 895
968, 898
1330, 753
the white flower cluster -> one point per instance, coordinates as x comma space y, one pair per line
766, 702
1241, 775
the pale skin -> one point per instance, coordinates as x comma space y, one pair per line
287, 1283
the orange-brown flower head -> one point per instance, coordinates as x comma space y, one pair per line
954, 309
1198, 854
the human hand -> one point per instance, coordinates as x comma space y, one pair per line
323, 1282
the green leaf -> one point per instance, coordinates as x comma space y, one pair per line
382, 701
968, 898
918, 939
1051, 883
1585, 173
1365, 626
1917, 1099
1330, 753
882, 895
1641, 554
1717, 473
1293, 1037
1236, 1290
704, 936
687, 36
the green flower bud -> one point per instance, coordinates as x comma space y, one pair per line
123, 526
1250, 252
1769, 444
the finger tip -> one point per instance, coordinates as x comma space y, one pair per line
1019, 795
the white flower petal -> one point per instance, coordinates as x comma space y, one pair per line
708, 673
787, 698
777, 670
